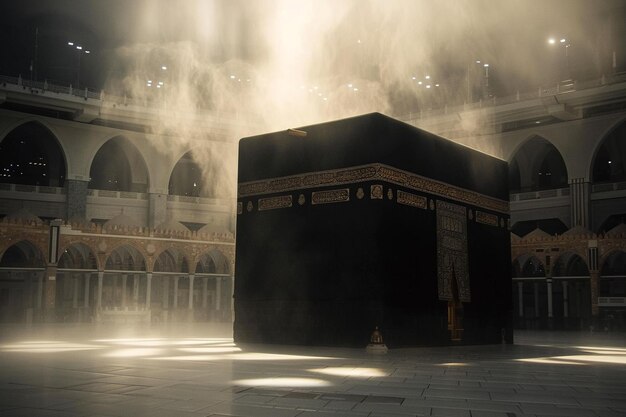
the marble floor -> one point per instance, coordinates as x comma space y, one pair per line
196, 370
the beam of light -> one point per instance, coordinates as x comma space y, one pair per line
351, 372
605, 351
247, 356
133, 353
453, 364
213, 349
47, 347
283, 382
609, 348
614, 359
551, 361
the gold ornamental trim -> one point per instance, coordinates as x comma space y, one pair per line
272, 203
330, 196
369, 172
413, 200
486, 218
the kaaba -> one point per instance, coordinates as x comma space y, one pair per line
369, 222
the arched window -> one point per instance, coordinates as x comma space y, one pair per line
78, 256
187, 178
31, 155
118, 166
537, 165
125, 258
609, 165
613, 275
533, 268
171, 260
570, 265
23, 254
212, 263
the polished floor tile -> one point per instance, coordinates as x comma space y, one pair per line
197, 371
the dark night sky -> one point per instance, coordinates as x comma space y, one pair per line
596, 29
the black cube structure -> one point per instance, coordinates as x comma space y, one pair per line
369, 222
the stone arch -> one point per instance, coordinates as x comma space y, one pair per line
212, 262
78, 256
535, 165
23, 254
608, 163
31, 154
530, 267
125, 258
188, 177
118, 165
613, 263
171, 260
570, 264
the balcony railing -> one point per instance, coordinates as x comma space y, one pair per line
534, 195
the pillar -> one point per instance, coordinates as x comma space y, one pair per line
99, 293
205, 292
595, 292
39, 296
135, 290
76, 198
520, 297
579, 195
565, 300
536, 287
218, 293
166, 292
148, 289
176, 292
549, 290
75, 295
157, 209
124, 277
87, 278
49, 294
191, 278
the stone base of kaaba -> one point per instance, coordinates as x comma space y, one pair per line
370, 222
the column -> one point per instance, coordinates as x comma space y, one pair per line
157, 209
536, 287
204, 292
218, 293
166, 292
99, 293
191, 278
135, 290
87, 277
75, 295
580, 197
49, 294
39, 296
549, 285
124, 277
565, 301
595, 292
148, 289
176, 292
76, 198
114, 290
520, 297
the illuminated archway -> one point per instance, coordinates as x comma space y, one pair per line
609, 163
118, 166
537, 165
30, 154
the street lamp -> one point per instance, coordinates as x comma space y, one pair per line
80, 50
470, 84
565, 44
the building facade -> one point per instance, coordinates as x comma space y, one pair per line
146, 219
